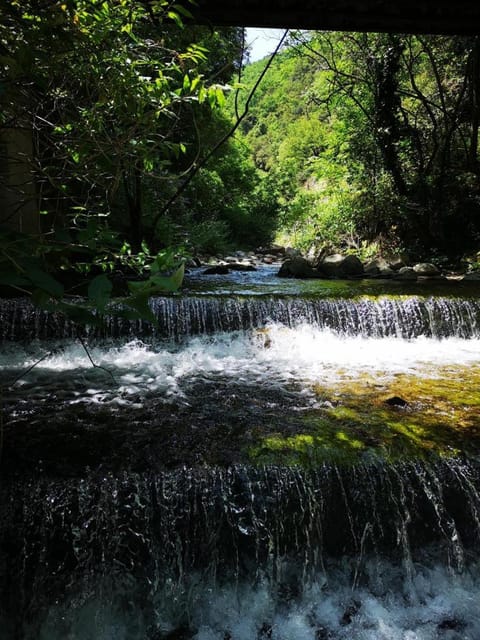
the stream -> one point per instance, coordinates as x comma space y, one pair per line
276, 459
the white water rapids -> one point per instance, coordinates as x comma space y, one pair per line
384, 550
274, 356
433, 605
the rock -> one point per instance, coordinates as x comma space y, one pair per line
474, 275
275, 250
297, 268
387, 272
426, 269
194, 262
397, 262
338, 266
451, 624
371, 268
350, 612
265, 631
241, 266
406, 273
379, 267
182, 633
218, 269
291, 252
396, 401
268, 260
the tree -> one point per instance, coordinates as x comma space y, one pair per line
100, 88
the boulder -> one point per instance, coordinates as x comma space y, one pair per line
379, 268
241, 266
193, 263
275, 250
426, 269
372, 268
297, 268
406, 273
474, 275
218, 269
397, 262
338, 266
291, 252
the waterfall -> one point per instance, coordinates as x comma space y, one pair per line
157, 532
179, 317
254, 467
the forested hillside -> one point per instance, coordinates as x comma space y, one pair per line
370, 141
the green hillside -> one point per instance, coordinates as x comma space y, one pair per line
370, 141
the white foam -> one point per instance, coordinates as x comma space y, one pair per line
275, 356
432, 605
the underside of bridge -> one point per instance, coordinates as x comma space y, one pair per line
404, 16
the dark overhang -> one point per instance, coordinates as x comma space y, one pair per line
404, 16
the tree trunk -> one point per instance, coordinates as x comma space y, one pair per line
133, 193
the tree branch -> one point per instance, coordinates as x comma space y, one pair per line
226, 137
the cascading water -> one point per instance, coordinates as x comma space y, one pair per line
182, 317
239, 472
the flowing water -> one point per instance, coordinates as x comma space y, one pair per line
272, 461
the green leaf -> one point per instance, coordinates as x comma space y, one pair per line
137, 286
173, 15
184, 12
169, 283
79, 313
139, 304
43, 300
220, 96
99, 291
44, 281
11, 279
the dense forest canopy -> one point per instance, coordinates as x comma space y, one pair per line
112, 114
372, 138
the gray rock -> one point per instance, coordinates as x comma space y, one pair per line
426, 269
379, 268
218, 269
474, 275
406, 273
338, 266
397, 262
372, 268
241, 266
297, 268
291, 252
387, 272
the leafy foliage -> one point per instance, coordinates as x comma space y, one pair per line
371, 137
116, 94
